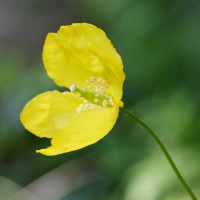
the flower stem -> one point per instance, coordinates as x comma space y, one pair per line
181, 179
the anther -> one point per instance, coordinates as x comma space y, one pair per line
79, 110
105, 103
103, 82
81, 105
92, 78
101, 88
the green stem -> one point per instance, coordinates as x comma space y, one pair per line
185, 185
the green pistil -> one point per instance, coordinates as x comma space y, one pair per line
94, 97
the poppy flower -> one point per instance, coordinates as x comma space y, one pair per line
79, 57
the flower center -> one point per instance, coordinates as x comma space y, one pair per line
94, 95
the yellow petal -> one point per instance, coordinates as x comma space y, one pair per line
86, 129
79, 51
49, 112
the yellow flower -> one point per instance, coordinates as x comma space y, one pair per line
82, 58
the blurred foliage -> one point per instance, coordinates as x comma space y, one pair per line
159, 42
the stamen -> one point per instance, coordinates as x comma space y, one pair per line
94, 95
79, 110
105, 103
101, 88
96, 100
103, 82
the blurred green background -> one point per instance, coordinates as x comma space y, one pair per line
159, 42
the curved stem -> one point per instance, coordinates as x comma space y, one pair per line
185, 185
